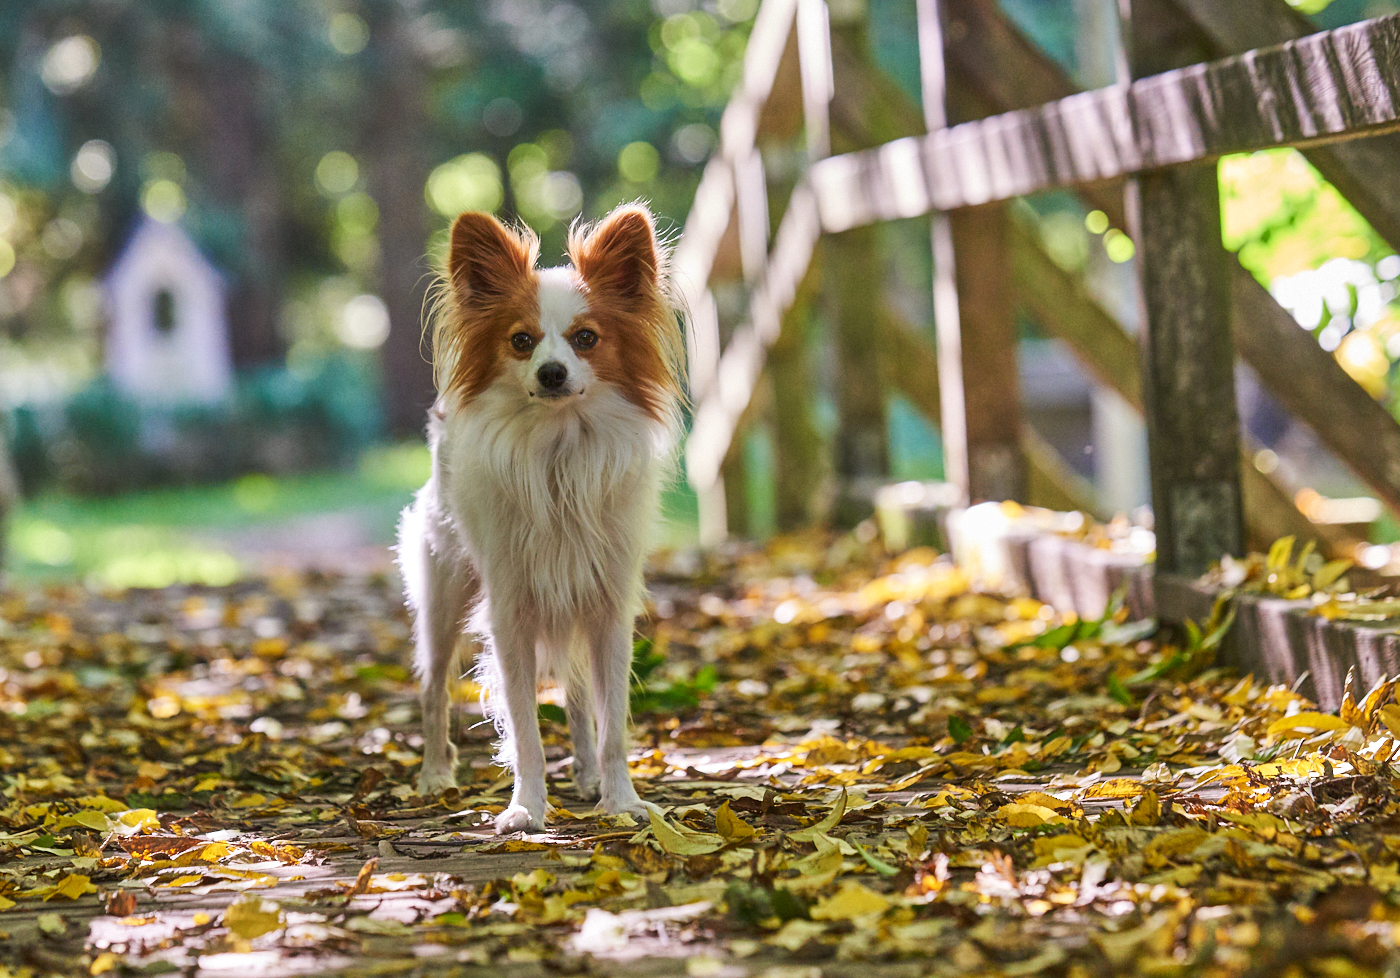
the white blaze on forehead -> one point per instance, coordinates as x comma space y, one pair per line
560, 300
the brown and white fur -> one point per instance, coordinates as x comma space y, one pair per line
559, 396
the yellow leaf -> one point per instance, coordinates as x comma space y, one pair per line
1307, 720
88, 820
1280, 553
814, 872
1148, 810
105, 961
137, 821
1349, 711
152, 770
1329, 572
1385, 876
1041, 798
183, 880
102, 803
72, 886
253, 917
6, 903
1390, 716
731, 826
1172, 844
852, 900
1047, 845
671, 839
909, 780
215, 851
1024, 816
537, 879
1115, 788
833, 819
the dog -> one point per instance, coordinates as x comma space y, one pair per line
559, 400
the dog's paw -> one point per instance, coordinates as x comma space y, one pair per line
517, 818
433, 783
586, 785
624, 801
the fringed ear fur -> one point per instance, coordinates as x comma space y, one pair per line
487, 261
619, 257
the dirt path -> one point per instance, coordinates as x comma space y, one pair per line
859, 767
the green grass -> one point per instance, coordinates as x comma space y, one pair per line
180, 535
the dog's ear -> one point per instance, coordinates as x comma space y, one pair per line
619, 256
486, 260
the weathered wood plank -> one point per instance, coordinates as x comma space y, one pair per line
1314, 387
1067, 311
1188, 371
973, 315
854, 280
1065, 308
738, 367
1361, 434
990, 384
799, 449
717, 225
1352, 166
910, 365
1322, 88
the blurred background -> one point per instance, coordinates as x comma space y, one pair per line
218, 223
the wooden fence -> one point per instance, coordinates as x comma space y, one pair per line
1205, 79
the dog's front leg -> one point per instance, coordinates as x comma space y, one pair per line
515, 658
612, 669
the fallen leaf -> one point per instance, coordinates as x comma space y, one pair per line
252, 916
850, 901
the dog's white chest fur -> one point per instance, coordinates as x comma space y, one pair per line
553, 512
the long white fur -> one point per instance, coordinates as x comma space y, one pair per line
532, 530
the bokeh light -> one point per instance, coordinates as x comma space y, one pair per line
337, 173
93, 166
70, 64
467, 183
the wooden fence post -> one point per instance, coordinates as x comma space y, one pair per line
854, 284
976, 330
799, 450
1188, 355
853, 278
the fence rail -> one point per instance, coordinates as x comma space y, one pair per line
1314, 90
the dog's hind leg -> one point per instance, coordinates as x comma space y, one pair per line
612, 670
440, 590
578, 710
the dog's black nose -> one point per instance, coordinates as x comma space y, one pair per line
552, 375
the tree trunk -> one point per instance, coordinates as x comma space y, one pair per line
398, 171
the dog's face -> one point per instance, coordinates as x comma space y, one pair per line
551, 338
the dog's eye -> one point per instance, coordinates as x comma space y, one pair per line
585, 339
522, 342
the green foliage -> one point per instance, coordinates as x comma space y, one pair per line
103, 441
651, 696
750, 905
1283, 218
315, 143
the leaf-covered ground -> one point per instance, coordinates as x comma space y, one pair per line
860, 766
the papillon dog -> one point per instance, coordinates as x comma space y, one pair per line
559, 398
